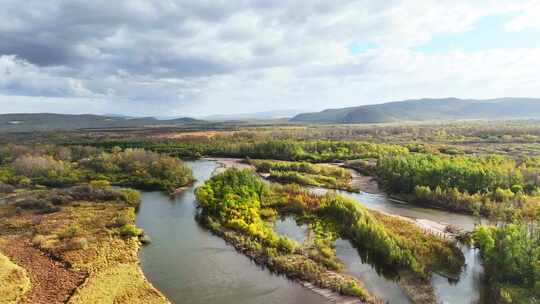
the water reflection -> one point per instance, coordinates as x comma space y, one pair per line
378, 281
469, 286
287, 226
189, 265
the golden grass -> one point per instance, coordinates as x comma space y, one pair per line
110, 260
122, 283
14, 281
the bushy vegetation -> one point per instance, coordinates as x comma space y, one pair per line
305, 173
490, 185
280, 149
386, 242
511, 256
403, 172
63, 166
485, 168
455, 180
140, 168
231, 204
45, 170
233, 200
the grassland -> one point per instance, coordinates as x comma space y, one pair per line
15, 281
89, 246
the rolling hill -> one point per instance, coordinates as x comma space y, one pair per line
50, 122
428, 109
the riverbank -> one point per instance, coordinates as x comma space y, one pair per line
78, 252
231, 207
336, 287
387, 241
226, 162
366, 184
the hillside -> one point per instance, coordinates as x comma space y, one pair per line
50, 122
428, 109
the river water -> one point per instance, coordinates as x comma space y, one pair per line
190, 265
468, 289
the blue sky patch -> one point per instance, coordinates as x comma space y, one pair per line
488, 33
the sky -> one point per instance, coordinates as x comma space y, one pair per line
197, 58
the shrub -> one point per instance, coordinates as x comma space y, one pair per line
5, 188
25, 182
100, 184
70, 232
45, 170
351, 288
268, 213
77, 243
38, 240
125, 218
32, 203
140, 168
517, 189
61, 199
285, 244
130, 196
130, 230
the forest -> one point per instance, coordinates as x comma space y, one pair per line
511, 253
57, 166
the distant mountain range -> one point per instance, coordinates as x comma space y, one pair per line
254, 116
428, 109
50, 122
408, 110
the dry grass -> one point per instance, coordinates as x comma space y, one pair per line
14, 281
110, 260
122, 283
192, 134
85, 235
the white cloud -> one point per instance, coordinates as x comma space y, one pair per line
238, 56
529, 18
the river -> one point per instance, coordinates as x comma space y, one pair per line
468, 289
190, 265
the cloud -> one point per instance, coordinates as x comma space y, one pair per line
144, 57
528, 19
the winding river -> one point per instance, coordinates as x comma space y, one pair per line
190, 265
